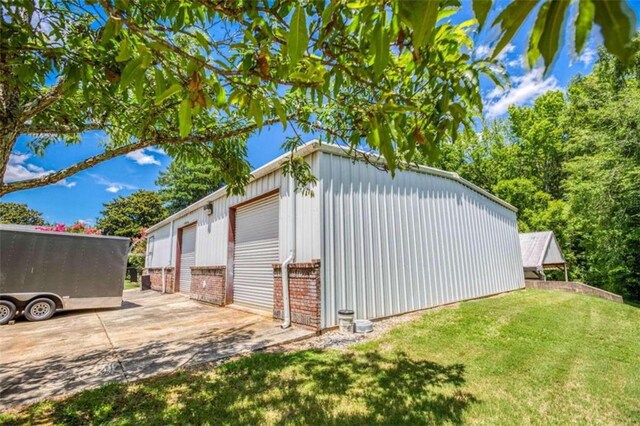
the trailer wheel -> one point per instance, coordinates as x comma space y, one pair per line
7, 311
40, 309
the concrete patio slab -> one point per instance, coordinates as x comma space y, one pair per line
152, 333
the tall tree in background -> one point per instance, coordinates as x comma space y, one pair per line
20, 214
128, 216
185, 182
570, 163
200, 76
603, 173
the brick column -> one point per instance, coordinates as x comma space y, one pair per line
154, 276
304, 293
208, 284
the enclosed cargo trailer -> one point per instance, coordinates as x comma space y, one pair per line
42, 272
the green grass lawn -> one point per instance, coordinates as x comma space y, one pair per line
531, 356
129, 285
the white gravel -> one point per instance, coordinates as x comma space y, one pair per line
336, 339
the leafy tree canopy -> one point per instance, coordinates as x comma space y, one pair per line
197, 76
185, 182
20, 214
128, 216
570, 163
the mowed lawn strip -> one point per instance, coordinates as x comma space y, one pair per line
530, 356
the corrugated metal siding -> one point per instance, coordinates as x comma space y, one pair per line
158, 255
213, 230
256, 250
416, 241
187, 258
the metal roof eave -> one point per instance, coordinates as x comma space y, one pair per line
311, 147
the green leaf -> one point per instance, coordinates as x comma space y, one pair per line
138, 85
422, 16
111, 28
550, 37
327, 13
221, 97
159, 80
584, 23
124, 53
481, 9
337, 83
160, 47
255, 111
172, 90
130, 71
510, 20
533, 52
380, 39
203, 41
618, 23
184, 118
298, 39
280, 111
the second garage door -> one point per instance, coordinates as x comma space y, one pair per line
187, 257
256, 250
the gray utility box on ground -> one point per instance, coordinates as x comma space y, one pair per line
74, 271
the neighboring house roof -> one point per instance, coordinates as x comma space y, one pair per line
316, 145
540, 249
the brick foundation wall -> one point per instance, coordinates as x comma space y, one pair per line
304, 293
154, 277
573, 287
208, 284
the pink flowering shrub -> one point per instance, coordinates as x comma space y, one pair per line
76, 228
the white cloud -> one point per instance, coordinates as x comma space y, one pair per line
483, 51
113, 187
587, 57
157, 150
18, 169
525, 88
142, 158
515, 63
495, 93
505, 52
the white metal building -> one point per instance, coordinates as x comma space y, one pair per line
385, 245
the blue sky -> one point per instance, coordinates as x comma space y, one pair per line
81, 197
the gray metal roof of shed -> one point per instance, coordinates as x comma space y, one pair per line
539, 249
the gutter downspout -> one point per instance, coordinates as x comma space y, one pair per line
292, 255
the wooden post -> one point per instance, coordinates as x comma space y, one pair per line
566, 275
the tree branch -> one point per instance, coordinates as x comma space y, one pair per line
181, 52
6, 188
43, 101
41, 129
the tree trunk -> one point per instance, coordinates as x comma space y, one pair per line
9, 113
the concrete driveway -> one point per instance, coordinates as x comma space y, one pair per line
152, 333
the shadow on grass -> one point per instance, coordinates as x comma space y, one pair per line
307, 387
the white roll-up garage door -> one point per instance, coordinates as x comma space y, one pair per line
187, 257
256, 250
